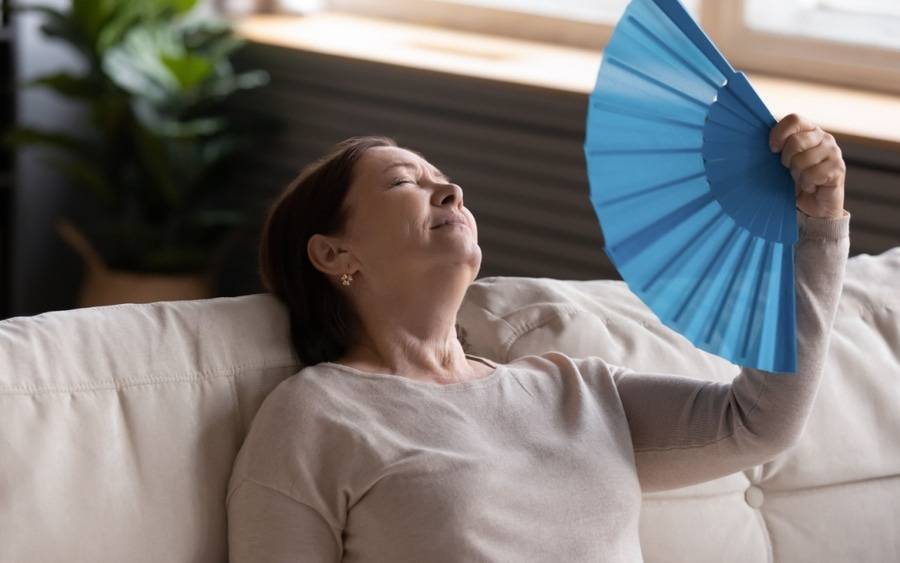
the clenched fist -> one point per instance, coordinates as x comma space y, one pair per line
816, 165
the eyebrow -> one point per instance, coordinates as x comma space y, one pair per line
410, 165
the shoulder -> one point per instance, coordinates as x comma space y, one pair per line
568, 378
297, 421
564, 364
306, 397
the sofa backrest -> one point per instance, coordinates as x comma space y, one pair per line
119, 424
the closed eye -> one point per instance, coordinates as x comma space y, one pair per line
398, 182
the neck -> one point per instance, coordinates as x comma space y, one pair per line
412, 332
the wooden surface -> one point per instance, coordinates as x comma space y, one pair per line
853, 114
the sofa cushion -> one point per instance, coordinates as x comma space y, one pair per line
119, 425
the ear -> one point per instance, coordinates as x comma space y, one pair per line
327, 256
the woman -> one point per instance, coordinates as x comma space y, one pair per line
393, 444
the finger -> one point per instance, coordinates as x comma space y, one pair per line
788, 126
810, 157
822, 175
800, 142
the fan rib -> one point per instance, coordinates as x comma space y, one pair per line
599, 104
628, 68
651, 189
719, 253
724, 126
787, 316
748, 165
738, 89
768, 219
690, 245
730, 110
761, 207
642, 238
686, 150
655, 38
753, 309
727, 292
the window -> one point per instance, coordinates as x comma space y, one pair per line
866, 22
851, 42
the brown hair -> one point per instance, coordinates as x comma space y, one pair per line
323, 324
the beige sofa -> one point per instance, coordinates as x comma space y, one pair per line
119, 425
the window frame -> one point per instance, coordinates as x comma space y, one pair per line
745, 48
479, 19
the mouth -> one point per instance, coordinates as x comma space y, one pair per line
450, 224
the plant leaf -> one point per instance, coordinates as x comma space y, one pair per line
89, 16
189, 70
67, 84
21, 136
182, 6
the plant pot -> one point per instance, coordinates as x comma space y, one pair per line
102, 285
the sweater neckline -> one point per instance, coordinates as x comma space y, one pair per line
392, 377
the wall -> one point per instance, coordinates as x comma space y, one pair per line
515, 150
45, 272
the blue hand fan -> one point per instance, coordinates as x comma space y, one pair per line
698, 215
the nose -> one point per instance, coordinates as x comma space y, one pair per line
448, 193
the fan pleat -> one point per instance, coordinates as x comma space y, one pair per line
602, 106
715, 81
628, 85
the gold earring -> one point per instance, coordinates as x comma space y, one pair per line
346, 279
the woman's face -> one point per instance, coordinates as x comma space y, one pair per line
399, 203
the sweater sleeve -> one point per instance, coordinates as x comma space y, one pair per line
685, 431
268, 526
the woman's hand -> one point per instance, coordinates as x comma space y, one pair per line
816, 165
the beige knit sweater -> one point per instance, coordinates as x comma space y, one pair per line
543, 460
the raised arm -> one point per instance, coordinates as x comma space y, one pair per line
687, 431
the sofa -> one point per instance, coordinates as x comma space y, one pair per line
119, 424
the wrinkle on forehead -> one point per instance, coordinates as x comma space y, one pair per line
413, 166
413, 163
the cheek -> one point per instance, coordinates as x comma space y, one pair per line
474, 222
393, 218
391, 225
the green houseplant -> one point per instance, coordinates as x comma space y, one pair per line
155, 163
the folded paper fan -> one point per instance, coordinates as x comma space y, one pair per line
698, 215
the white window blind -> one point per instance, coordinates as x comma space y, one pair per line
861, 22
